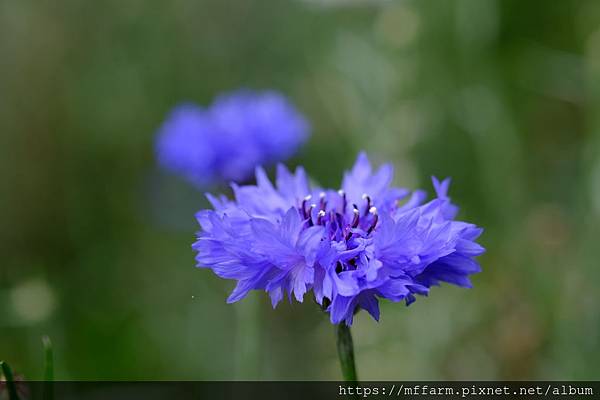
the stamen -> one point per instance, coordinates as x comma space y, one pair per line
339, 219
306, 199
356, 216
344, 201
310, 221
368, 199
373, 210
353, 224
322, 202
320, 216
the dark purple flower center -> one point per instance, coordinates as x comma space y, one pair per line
348, 225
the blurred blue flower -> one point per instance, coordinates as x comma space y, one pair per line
226, 141
350, 247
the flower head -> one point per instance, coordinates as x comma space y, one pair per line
227, 140
350, 247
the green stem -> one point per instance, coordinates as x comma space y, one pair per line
247, 339
346, 352
10, 381
48, 369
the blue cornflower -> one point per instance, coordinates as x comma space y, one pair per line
226, 141
351, 246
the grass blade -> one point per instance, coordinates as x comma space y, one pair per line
10, 381
48, 368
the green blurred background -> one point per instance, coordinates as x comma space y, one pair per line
501, 95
